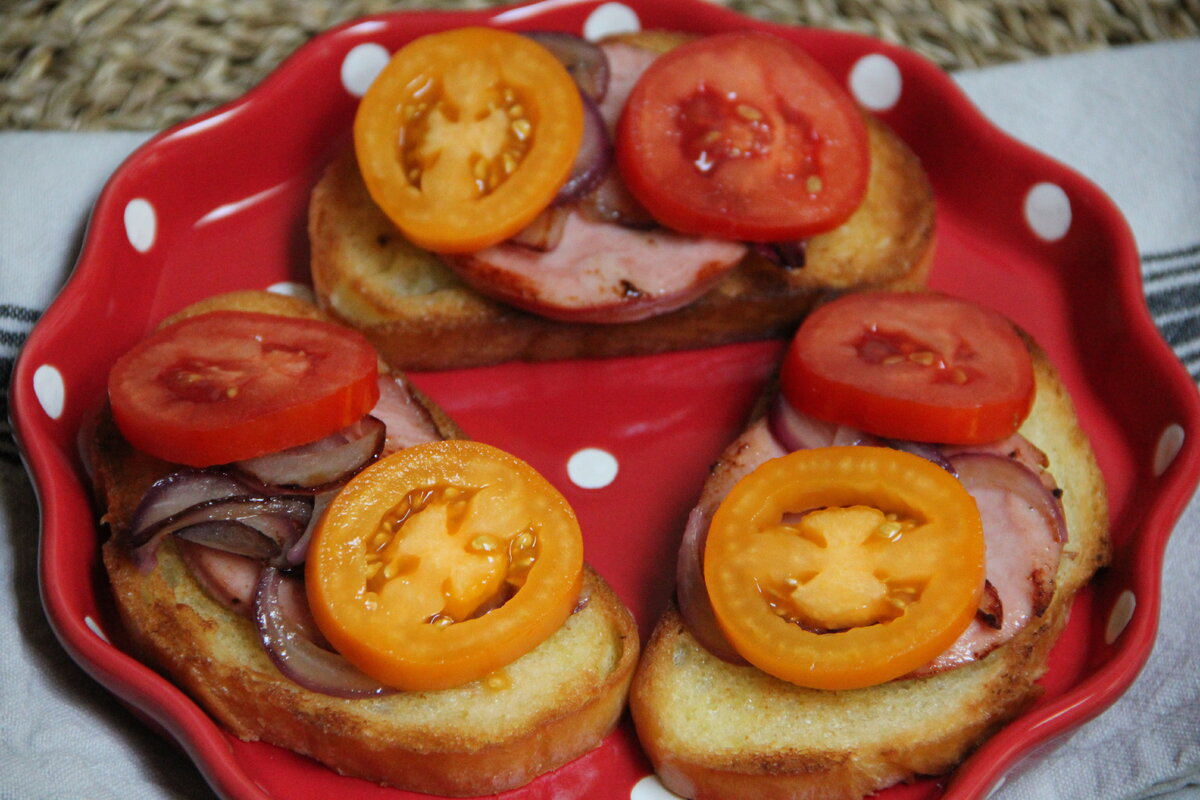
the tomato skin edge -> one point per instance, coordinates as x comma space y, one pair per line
200, 448
202, 434
901, 418
822, 374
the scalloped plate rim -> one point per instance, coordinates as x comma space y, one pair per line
204, 741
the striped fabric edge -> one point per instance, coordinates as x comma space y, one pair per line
15, 324
1172, 284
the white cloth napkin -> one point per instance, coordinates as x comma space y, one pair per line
1129, 119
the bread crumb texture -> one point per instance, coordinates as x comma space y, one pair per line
717, 730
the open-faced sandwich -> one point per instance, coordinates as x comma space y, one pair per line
878, 566
305, 544
537, 196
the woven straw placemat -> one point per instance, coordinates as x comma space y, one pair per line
129, 65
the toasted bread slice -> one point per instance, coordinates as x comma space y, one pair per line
420, 315
548, 707
716, 730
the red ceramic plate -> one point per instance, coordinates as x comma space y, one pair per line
218, 203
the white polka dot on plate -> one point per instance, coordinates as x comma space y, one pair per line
1048, 211
650, 788
1119, 617
592, 468
1170, 442
609, 19
876, 82
361, 66
141, 224
50, 390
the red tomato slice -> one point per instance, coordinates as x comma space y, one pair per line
229, 385
743, 135
918, 366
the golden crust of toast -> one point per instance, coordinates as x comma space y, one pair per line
541, 711
420, 315
716, 730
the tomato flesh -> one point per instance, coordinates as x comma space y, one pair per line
743, 135
229, 385
442, 563
716, 128
467, 135
911, 365
844, 567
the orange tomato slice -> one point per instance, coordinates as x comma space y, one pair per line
844, 567
442, 563
467, 135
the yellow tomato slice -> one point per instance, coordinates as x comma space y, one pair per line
467, 135
844, 567
442, 563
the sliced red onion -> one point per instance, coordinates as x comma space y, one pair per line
282, 519
584, 60
847, 436
178, 492
927, 451
232, 581
1007, 474
546, 230
610, 201
298, 657
796, 431
293, 605
318, 465
692, 594
277, 517
593, 160
298, 553
1015, 447
231, 536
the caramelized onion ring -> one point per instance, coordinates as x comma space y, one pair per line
1010, 475
320, 465
594, 158
586, 62
692, 594
280, 519
796, 431
297, 656
175, 493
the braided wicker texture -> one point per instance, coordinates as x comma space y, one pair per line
129, 65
